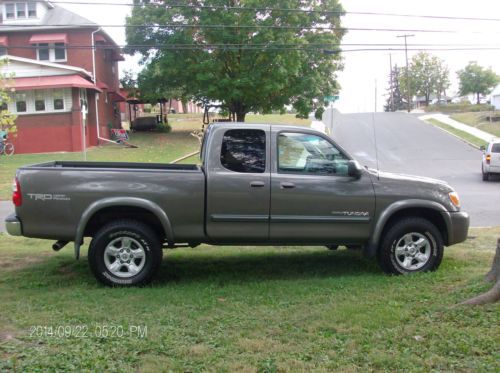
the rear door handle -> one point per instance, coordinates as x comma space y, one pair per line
287, 185
257, 184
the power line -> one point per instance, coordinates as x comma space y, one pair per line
176, 25
331, 12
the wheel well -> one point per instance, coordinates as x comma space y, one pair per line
431, 215
109, 214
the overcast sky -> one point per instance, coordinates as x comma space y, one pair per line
362, 69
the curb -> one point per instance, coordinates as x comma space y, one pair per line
452, 134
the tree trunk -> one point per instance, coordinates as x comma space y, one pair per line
477, 95
240, 116
493, 295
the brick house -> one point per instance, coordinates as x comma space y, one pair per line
65, 77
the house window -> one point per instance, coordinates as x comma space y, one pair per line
59, 52
39, 100
10, 11
21, 106
32, 10
51, 52
43, 52
21, 10
58, 97
4, 106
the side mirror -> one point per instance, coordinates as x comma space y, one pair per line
354, 169
482, 148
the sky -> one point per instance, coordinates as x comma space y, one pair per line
368, 72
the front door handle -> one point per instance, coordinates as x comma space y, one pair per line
257, 184
287, 185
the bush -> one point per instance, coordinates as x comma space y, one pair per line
458, 108
163, 127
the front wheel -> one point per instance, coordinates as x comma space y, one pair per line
411, 245
125, 253
8, 148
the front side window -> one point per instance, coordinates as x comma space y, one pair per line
21, 106
39, 100
309, 154
495, 148
244, 151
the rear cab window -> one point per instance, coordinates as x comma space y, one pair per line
244, 150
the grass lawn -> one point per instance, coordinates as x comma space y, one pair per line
479, 121
153, 147
247, 309
462, 134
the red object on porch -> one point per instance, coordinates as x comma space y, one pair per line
61, 81
49, 38
4, 41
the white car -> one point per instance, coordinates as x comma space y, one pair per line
491, 159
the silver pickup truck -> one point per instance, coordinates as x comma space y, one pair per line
257, 185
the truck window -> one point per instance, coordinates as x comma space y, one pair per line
310, 154
495, 148
244, 151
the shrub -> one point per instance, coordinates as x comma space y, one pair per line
458, 108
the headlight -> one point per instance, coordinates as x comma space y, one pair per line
454, 199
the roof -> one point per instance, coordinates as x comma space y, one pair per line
55, 18
48, 64
61, 81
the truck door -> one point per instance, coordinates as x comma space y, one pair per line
313, 200
238, 185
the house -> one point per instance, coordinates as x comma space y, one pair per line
495, 97
65, 85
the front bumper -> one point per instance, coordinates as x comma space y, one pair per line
13, 225
459, 227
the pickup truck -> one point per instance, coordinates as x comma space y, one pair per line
256, 184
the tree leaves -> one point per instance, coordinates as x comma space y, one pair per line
256, 61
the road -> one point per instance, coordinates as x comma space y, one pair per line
407, 145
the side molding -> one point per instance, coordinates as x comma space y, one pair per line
384, 217
120, 201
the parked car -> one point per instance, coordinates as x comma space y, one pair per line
257, 185
491, 159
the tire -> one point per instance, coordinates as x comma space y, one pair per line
486, 175
8, 149
125, 253
411, 245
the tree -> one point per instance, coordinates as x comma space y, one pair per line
493, 295
476, 79
428, 75
7, 119
395, 101
260, 59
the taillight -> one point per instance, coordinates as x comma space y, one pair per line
488, 158
17, 197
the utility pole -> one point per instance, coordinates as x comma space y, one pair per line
391, 83
375, 95
407, 71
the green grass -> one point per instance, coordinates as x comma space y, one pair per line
249, 309
479, 120
461, 134
153, 147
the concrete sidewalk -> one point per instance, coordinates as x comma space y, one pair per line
6, 208
459, 125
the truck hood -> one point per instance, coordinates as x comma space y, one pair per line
387, 177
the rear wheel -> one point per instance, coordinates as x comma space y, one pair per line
486, 176
125, 253
411, 245
8, 148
